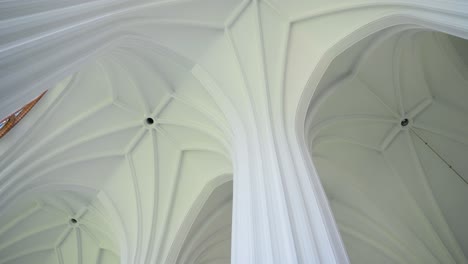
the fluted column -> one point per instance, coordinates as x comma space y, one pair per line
260, 61
272, 58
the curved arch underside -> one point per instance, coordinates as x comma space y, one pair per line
209, 238
397, 188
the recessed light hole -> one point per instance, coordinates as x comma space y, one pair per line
149, 121
404, 122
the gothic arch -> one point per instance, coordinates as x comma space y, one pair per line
249, 59
353, 52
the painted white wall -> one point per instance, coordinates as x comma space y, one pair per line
235, 77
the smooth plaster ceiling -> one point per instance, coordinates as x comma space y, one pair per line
394, 198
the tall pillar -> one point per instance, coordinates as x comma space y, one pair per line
272, 58
261, 66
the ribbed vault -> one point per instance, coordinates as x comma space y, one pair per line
136, 130
57, 227
156, 98
388, 134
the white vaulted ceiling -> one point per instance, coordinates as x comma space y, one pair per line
394, 188
152, 106
41, 230
130, 183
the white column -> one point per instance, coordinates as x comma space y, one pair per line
272, 58
267, 60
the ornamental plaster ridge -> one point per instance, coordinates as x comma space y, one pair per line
257, 133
